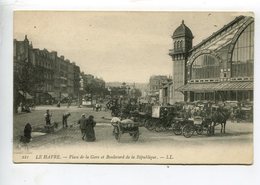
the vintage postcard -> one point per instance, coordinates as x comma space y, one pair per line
133, 87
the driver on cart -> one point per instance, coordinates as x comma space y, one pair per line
114, 121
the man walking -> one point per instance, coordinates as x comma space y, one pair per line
65, 119
47, 116
82, 125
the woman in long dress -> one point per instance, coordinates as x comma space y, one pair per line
90, 132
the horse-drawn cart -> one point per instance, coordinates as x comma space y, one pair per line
126, 126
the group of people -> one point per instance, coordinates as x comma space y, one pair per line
86, 124
97, 107
26, 107
87, 127
65, 117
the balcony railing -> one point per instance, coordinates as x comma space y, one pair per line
176, 51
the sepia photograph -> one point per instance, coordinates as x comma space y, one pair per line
133, 87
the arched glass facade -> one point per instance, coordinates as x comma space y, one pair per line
205, 66
243, 54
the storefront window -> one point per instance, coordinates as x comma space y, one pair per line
243, 54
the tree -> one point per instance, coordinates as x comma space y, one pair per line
94, 86
135, 93
27, 79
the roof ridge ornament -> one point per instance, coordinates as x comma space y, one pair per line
182, 31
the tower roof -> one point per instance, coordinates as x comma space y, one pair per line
182, 31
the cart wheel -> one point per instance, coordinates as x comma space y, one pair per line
135, 135
177, 129
199, 130
188, 130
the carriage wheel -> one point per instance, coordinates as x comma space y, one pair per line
199, 130
177, 129
188, 130
149, 125
135, 135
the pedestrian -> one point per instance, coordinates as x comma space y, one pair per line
90, 132
97, 107
27, 133
58, 104
26, 108
69, 102
21, 106
65, 119
47, 116
82, 125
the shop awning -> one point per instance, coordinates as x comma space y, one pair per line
222, 86
53, 94
64, 95
26, 95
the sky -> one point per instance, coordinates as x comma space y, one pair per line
116, 46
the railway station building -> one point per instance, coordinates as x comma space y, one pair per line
219, 68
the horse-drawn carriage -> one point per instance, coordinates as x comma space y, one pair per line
160, 118
165, 118
182, 121
244, 112
199, 125
181, 118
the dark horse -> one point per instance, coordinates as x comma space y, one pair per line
220, 116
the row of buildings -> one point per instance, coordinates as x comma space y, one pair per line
219, 68
154, 92
44, 77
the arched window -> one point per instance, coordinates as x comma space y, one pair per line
205, 66
243, 54
181, 44
175, 45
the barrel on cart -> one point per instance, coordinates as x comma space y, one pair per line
126, 126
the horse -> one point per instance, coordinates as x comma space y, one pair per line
220, 116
